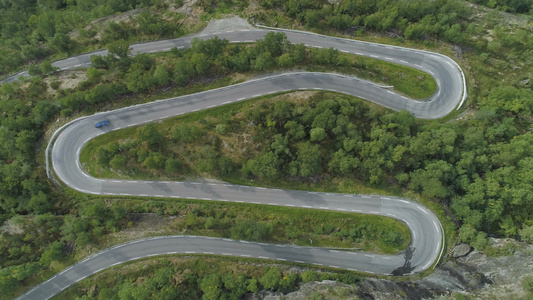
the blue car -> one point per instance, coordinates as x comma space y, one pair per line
102, 123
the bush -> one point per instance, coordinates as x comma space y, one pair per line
172, 165
34, 70
55, 84
252, 231
310, 276
210, 223
271, 279
392, 239
155, 161
118, 162
221, 129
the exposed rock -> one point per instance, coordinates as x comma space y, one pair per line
13, 226
326, 289
455, 276
461, 250
382, 289
476, 274
524, 82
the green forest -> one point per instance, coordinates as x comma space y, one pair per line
473, 167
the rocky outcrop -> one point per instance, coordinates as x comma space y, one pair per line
475, 274
461, 250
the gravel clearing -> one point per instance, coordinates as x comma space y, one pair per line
220, 25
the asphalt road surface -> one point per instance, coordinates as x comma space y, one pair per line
426, 231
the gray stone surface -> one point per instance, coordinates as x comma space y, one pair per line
461, 250
477, 275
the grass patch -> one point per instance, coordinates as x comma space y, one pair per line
252, 222
405, 80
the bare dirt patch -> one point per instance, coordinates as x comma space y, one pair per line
101, 22
227, 24
69, 79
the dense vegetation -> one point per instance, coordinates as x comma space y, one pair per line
198, 277
477, 168
32, 30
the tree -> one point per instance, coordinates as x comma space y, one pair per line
172, 165
25, 142
161, 76
263, 62
288, 283
129, 291
100, 62
318, 134
119, 51
211, 287
274, 43
252, 286
285, 60
47, 68
433, 180
200, 63
103, 156
240, 62
155, 161
118, 162
150, 134
328, 56
137, 79
186, 133
40, 203
183, 72
62, 43
343, 163
282, 111
295, 131
53, 252
212, 47
73, 227
526, 234
210, 223
92, 73
34, 70
280, 145
453, 34
309, 162
299, 53
271, 279
265, 166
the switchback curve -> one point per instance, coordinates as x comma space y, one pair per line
426, 231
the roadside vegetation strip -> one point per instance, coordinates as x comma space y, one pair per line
274, 224
406, 80
226, 270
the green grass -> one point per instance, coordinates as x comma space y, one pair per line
405, 80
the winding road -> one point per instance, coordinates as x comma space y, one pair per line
426, 231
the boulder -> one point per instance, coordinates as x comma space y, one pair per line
461, 250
